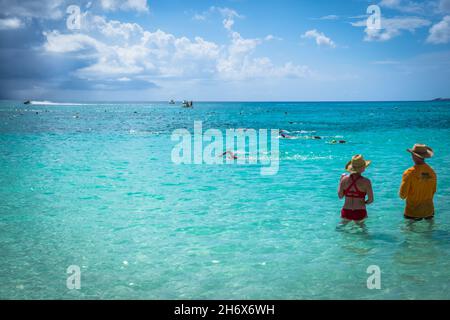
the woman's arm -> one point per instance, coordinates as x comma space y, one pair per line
341, 187
370, 198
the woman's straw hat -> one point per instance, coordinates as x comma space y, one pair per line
357, 164
422, 151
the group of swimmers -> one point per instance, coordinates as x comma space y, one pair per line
285, 135
418, 187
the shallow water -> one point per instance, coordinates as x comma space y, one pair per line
94, 186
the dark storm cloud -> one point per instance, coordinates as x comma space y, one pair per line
23, 64
46, 9
26, 67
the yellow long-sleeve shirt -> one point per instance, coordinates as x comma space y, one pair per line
418, 188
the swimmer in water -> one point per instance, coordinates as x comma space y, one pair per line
284, 135
336, 142
231, 155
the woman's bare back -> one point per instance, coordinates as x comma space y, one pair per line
360, 185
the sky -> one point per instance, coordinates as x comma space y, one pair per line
224, 50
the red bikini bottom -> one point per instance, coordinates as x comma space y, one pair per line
355, 215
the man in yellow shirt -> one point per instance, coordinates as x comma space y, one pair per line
419, 185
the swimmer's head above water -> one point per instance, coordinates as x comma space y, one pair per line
230, 155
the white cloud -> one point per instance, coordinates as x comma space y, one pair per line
392, 27
228, 15
227, 12
73, 42
10, 23
237, 62
199, 17
390, 3
113, 5
259, 68
329, 17
228, 23
156, 53
271, 37
320, 38
107, 68
114, 28
440, 32
241, 45
198, 49
123, 50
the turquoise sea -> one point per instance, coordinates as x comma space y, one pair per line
93, 185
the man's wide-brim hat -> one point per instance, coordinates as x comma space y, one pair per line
422, 151
357, 164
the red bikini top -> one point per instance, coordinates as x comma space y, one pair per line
356, 193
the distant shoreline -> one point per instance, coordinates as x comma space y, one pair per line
441, 100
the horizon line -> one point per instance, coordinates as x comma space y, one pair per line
226, 101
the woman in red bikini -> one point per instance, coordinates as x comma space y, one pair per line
355, 188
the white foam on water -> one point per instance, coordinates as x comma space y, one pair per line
50, 103
308, 157
304, 131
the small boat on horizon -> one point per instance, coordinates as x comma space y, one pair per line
188, 104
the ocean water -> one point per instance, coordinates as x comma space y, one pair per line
93, 185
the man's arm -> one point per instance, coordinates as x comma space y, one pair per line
404, 187
435, 183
